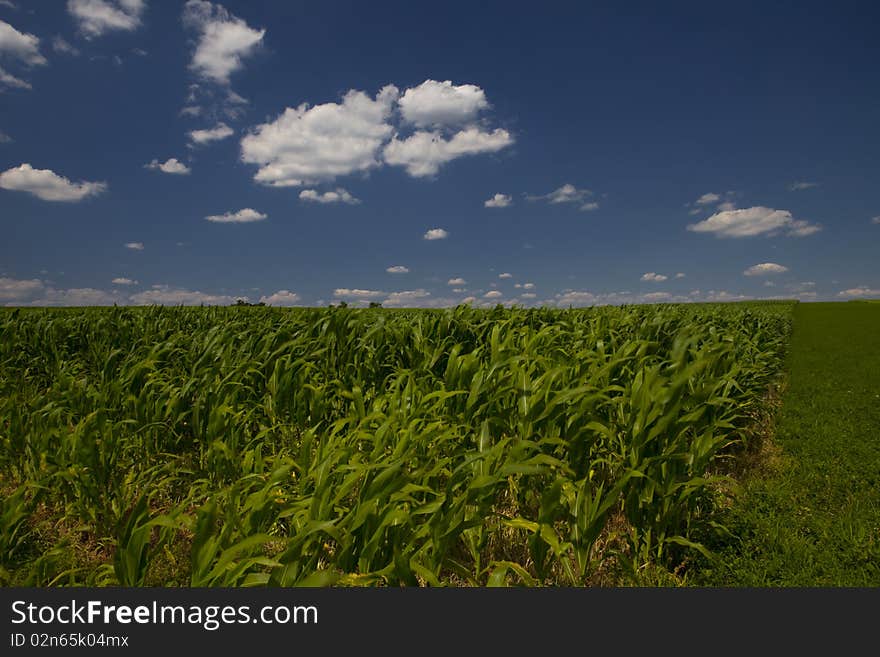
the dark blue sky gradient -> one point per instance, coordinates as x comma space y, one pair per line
649, 105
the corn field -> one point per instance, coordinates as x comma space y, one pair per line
299, 447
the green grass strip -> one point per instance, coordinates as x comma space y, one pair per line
812, 518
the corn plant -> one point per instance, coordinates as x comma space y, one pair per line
263, 446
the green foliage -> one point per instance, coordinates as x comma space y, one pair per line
811, 517
252, 446
13, 527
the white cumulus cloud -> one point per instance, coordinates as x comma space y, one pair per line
498, 201
408, 298
445, 116
218, 132
35, 292
281, 298
505, 275
435, 103
712, 198
309, 145
134, 246
860, 291
397, 269
575, 298
708, 199
585, 298
164, 295
9, 80
124, 281
243, 216
758, 220
651, 276
224, 40
96, 17
355, 293
456, 281
20, 46
172, 165
436, 234
723, 296
81, 296
12, 289
47, 185
424, 152
765, 268
339, 195
493, 294
568, 193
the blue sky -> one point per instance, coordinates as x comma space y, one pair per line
424, 155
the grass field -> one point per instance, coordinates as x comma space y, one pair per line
811, 515
655, 445
253, 446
